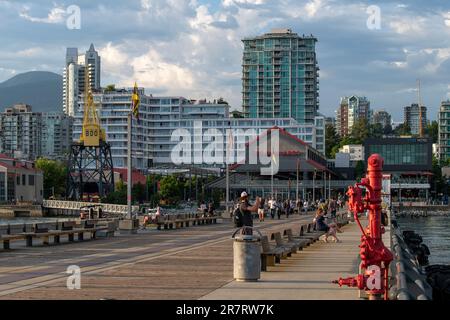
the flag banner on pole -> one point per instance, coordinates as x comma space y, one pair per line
135, 101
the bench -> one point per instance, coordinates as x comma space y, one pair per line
269, 255
46, 231
301, 243
308, 231
300, 236
290, 247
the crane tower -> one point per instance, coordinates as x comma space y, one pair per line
91, 172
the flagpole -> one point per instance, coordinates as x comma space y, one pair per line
298, 163
129, 176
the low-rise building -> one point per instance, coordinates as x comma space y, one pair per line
356, 151
20, 181
408, 161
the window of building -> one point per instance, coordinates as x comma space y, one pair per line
24, 179
31, 180
18, 180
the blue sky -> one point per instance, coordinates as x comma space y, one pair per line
193, 47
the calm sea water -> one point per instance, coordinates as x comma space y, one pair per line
435, 232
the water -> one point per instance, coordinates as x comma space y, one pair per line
435, 232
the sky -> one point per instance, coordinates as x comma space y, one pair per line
193, 48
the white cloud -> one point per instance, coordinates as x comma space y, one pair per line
153, 71
30, 52
55, 16
150, 70
447, 18
408, 25
312, 7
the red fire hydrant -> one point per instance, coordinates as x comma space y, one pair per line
375, 257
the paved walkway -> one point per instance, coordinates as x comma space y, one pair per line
176, 264
307, 275
192, 263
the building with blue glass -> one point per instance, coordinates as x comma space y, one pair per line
280, 76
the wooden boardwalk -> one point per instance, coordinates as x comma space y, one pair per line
307, 275
177, 264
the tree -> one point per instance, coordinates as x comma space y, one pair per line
432, 131
360, 131
55, 177
331, 140
110, 87
119, 196
438, 181
170, 189
138, 192
387, 130
376, 130
403, 130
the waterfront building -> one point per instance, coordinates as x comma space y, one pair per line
74, 76
356, 151
408, 162
56, 135
382, 117
160, 117
20, 181
444, 131
350, 110
280, 76
412, 115
298, 161
20, 132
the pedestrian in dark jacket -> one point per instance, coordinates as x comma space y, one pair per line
246, 210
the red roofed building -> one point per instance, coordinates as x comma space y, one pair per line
314, 176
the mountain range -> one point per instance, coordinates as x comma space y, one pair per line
42, 90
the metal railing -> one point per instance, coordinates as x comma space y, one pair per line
74, 205
410, 280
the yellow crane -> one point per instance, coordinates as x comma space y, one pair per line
91, 168
92, 133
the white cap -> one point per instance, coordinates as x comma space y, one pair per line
244, 194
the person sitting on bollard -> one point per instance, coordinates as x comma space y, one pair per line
246, 210
322, 226
211, 210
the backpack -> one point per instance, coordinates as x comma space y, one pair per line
238, 218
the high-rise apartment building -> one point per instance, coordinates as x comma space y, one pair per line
412, 117
56, 135
351, 109
382, 117
280, 76
75, 77
20, 132
444, 131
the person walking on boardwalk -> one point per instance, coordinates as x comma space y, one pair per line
261, 210
287, 207
279, 206
272, 207
246, 210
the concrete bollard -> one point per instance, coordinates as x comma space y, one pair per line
246, 257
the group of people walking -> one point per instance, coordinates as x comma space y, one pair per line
325, 218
